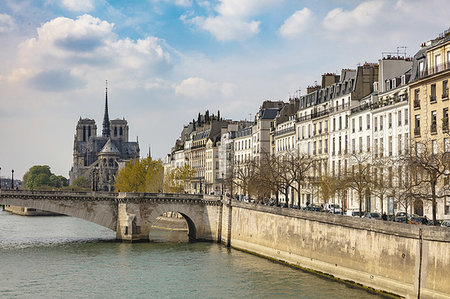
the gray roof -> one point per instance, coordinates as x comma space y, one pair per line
269, 113
109, 148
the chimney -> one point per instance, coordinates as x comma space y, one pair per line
311, 89
329, 79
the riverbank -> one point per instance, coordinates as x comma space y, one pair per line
393, 258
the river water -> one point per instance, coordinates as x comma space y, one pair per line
65, 257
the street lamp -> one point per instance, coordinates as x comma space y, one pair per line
222, 183
12, 179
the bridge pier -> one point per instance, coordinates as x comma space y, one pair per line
129, 228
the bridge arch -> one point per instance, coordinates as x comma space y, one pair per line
190, 213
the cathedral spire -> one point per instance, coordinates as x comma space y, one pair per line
106, 127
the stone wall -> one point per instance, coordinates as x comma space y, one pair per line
387, 256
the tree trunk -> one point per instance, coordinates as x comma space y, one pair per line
360, 202
433, 200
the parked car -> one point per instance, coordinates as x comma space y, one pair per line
372, 215
314, 207
415, 219
354, 213
445, 223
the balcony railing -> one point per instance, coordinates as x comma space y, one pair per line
284, 131
433, 128
417, 131
445, 125
434, 70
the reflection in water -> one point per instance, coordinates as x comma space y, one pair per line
170, 227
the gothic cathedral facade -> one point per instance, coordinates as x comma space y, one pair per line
97, 158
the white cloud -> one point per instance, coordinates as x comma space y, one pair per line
78, 5
297, 23
232, 21
242, 9
364, 15
88, 47
6, 23
226, 28
389, 19
200, 89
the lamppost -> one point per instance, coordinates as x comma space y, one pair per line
222, 183
12, 179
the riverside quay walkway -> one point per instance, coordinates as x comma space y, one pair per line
129, 214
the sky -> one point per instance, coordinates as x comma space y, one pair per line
168, 60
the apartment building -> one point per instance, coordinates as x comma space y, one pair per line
429, 106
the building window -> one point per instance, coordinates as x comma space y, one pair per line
334, 146
390, 145
445, 119
368, 143
340, 145
334, 124
353, 146
375, 145
326, 145
437, 60
360, 123
446, 145
406, 143
390, 120
346, 144
368, 121
353, 125
445, 88
433, 121
399, 144
381, 147
434, 144
417, 125
406, 117
433, 93
381, 122
417, 98
399, 116
360, 144
375, 125
340, 122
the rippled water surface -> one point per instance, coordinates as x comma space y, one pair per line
64, 257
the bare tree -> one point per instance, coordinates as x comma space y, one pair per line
358, 176
430, 168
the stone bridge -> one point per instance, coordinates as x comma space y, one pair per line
130, 215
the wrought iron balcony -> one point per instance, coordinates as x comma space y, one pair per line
433, 128
417, 131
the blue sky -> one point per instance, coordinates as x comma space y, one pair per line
167, 60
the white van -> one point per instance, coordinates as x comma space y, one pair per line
333, 208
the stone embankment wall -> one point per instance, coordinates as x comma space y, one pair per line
397, 258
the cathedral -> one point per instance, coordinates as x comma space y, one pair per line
97, 158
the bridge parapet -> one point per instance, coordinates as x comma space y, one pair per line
57, 195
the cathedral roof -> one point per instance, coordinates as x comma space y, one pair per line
109, 148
